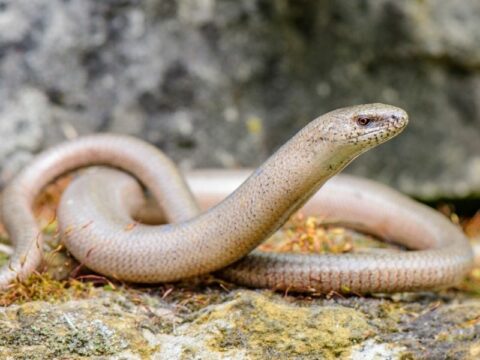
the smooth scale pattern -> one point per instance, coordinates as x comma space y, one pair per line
98, 210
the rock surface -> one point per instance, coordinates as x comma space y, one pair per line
223, 83
242, 324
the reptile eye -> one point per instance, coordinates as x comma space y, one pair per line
363, 121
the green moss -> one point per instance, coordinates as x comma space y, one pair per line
85, 328
264, 327
41, 287
3, 258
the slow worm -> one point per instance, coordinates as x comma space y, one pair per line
98, 209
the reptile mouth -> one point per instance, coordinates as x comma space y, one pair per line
364, 135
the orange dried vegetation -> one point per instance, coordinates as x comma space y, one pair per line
309, 235
472, 226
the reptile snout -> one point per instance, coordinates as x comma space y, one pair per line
399, 119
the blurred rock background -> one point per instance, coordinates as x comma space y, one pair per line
225, 82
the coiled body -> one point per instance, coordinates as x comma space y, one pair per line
441, 256
97, 214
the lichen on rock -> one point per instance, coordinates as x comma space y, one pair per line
256, 326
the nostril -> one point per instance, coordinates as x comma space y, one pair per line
395, 117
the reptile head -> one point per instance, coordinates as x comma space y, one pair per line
336, 138
365, 125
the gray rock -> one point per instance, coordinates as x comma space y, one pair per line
24, 118
224, 83
241, 324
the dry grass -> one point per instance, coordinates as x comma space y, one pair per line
43, 288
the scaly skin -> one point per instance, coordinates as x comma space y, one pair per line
443, 254
96, 220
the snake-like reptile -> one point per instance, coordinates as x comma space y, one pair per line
98, 209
